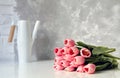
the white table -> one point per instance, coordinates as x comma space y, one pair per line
44, 69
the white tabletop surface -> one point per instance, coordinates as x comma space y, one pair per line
44, 69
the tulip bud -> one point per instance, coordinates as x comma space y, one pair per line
66, 49
68, 57
70, 69
80, 69
89, 68
59, 51
57, 60
85, 52
58, 67
72, 63
79, 60
69, 42
73, 51
65, 63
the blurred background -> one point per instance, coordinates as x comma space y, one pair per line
92, 21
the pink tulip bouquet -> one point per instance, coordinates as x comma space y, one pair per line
84, 58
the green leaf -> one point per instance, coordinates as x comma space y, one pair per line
93, 59
102, 66
107, 65
80, 47
107, 59
113, 65
90, 47
111, 56
99, 59
101, 50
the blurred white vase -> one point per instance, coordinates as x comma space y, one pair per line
24, 41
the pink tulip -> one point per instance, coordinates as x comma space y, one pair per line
59, 51
57, 60
79, 60
65, 63
56, 51
72, 63
69, 42
85, 52
54, 66
58, 67
62, 51
89, 68
72, 51
68, 57
66, 49
69, 68
80, 69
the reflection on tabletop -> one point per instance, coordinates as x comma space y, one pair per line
108, 73
44, 69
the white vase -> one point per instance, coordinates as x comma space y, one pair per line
24, 41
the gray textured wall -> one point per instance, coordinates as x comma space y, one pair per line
92, 21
